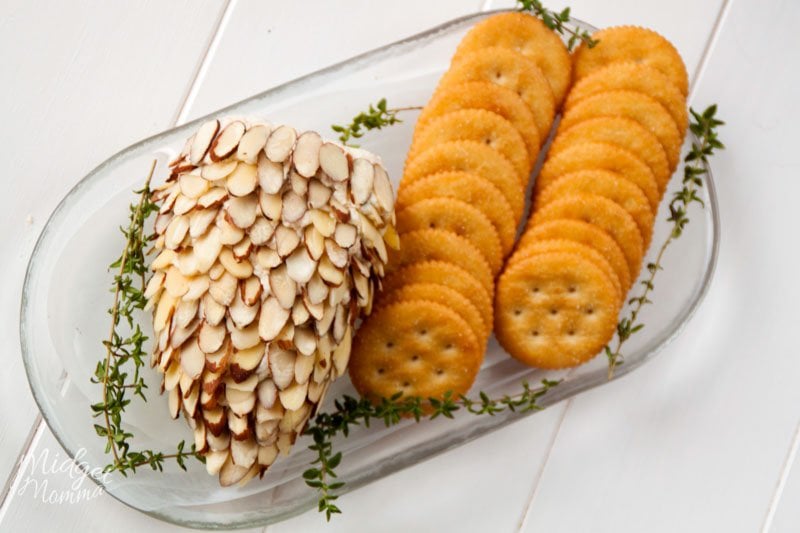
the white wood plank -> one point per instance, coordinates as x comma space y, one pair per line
81, 81
696, 441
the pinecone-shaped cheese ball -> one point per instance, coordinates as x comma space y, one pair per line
270, 245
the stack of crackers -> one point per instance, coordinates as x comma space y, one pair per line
460, 202
595, 200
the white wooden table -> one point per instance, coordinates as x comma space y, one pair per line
702, 439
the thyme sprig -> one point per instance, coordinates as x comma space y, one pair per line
377, 116
704, 126
557, 21
119, 372
349, 412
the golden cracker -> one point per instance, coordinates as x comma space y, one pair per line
456, 216
584, 233
512, 70
555, 310
448, 275
604, 214
600, 156
476, 125
635, 106
623, 44
528, 36
609, 185
571, 247
434, 292
418, 348
470, 189
491, 97
633, 77
441, 245
473, 157
623, 132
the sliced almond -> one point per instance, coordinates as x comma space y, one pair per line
271, 205
176, 284
373, 239
267, 258
231, 473
190, 400
169, 201
241, 250
280, 144
329, 272
243, 180
293, 396
244, 452
215, 460
183, 204
318, 194
339, 293
300, 314
251, 290
218, 170
218, 361
209, 401
316, 310
341, 354
212, 311
240, 402
207, 248
324, 324
227, 141
340, 323
215, 420
391, 238
216, 271
305, 340
345, 235
164, 310
187, 263
303, 367
323, 222
248, 384
211, 337
240, 269
383, 189
265, 414
176, 231
286, 240
161, 222
314, 242
155, 284
285, 442
238, 427
281, 364
266, 435
219, 442
370, 212
174, 400
181, 334
163, 260
261, 231
295, 419
361, 181
316, 289
193, 186
244, 362
267, 392
243, 210
339, 211
284, 340
245, 338
299, 183
223, 290
251, 143
185, 312
200, 220
202, 141
271, 175
282, 286
212, 379
213, 197
230, 234
333, 161
197, 288
336, 254
300, 266
294, 207
272, 318
316, 391
306, 153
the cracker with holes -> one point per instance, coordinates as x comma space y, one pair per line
458, 217
583, 233
446, 275
491, 97
469, 188
622, 44
572, 247
609, 185
555, 310
441, 245
623, 132
512, 70
635, 106
419, 348
528, 36
602, 156
474, 157
633, 77
476, 125
604, 214
434, 292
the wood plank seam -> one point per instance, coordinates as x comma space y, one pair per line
37, 427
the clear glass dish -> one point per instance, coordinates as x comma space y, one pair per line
63, 314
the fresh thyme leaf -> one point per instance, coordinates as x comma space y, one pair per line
119, 371
557, 21
704, 126
377, 116
349, 411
